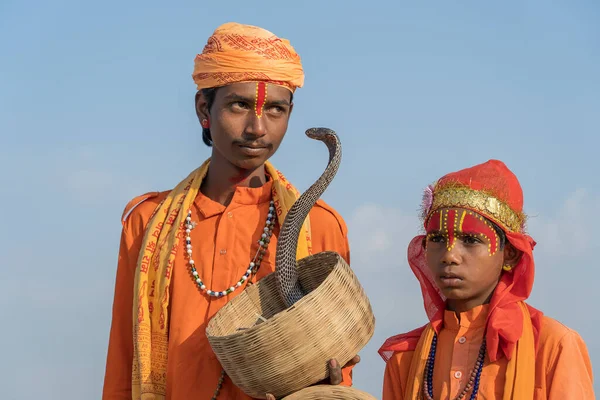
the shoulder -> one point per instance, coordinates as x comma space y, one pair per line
557, 340
138, 210
563, 357
399, 349
554, 333
400, 359
324, 215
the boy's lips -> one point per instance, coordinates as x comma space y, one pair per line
450, 275
252, 149
450, 279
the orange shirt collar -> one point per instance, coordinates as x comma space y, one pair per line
474, 318
242, 196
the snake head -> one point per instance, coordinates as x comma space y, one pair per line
327, 136
321, 133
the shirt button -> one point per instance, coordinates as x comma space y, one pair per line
223, 251
462, 340
458, 374
230, 214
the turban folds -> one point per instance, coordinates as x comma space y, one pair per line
243, 53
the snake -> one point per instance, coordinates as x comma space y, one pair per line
286, 272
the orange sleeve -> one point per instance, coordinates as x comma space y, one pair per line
117, 378
392, 378
119, 359
329, 233
329, 230
569, 373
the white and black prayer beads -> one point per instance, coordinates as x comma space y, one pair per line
263, 243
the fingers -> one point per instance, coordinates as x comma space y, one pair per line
355, 360
335, 372
270, 396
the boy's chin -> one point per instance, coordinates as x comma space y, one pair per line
249, 164
454, 294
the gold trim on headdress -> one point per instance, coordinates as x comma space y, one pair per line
479, 201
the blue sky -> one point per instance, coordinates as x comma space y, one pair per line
96, 107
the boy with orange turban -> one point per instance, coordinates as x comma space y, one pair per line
186, 252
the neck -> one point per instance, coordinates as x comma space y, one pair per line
223, 177
460, 306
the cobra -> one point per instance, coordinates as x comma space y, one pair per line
286, 271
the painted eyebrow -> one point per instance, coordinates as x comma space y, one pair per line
470, 232
436, 232
239, 97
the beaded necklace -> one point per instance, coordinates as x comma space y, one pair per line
473, 379
263, 243
253, 267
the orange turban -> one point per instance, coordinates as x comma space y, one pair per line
243, 53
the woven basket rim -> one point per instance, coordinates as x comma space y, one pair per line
325, 390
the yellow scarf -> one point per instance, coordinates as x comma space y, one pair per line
520, 371
155, 268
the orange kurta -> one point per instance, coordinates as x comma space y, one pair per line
224, 242
563, 368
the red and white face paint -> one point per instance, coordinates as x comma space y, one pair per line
261, 98
454, 223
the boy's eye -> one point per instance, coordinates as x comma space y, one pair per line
276, 110
471, 239
436, 238
239, 105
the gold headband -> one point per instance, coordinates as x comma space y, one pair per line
480, 202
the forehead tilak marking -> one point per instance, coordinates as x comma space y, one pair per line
451, 214
261, 98
468, 220
486, 231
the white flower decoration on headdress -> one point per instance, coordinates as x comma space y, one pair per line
427, 201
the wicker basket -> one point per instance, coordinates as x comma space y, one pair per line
328, 392
266, 348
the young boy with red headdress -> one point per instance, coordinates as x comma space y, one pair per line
476, 269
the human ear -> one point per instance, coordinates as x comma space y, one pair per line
511, 255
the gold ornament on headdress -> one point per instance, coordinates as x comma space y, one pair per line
480, 201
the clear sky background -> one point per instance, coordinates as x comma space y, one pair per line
96, 107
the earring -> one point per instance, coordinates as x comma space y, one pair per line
507, 268
205, 124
